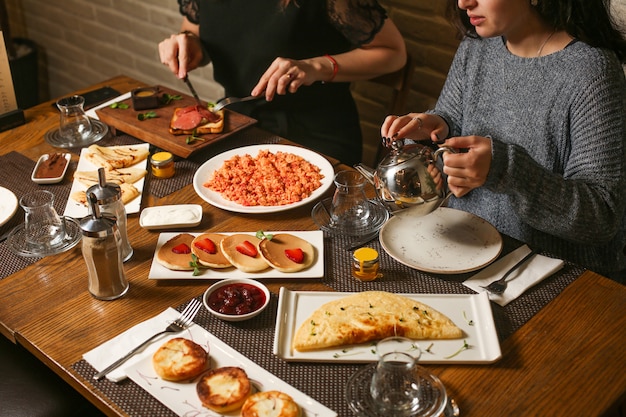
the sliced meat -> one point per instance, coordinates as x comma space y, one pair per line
187, 118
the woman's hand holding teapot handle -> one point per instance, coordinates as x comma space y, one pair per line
416, 126
468, 169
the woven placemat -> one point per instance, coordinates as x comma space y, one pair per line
325, 382
15, 173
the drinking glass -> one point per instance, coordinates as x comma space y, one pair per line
43, 228
395, 386
350, 208
75, 126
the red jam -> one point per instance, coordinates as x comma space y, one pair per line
236, 299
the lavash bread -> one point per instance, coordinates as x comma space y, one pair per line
212, 260
224, 389
270, 404
174, 261
179, 359
368, 316
243, 262
112, 157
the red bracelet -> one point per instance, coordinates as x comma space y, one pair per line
335, 67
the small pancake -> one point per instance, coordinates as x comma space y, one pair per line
176, 261
273, 251
239, 260
224, 389
270, 404
213, 260
179, 359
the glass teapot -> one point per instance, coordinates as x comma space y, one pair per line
408, 177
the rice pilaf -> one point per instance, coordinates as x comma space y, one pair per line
269, 179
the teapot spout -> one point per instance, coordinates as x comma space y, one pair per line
367, 172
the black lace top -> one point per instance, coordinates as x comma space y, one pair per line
243, 37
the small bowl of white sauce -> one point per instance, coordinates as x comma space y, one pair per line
170, 217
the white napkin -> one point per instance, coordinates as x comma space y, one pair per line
92, 112
528, 274
111, 350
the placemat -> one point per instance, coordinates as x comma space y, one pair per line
326, 382
15, 173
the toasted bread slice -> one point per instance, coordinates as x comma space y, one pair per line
242, 261
212, 260
179, 359
276, 252
224, 389
196, 120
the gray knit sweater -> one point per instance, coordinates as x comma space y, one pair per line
558, 123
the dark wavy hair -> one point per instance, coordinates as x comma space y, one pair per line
586, 20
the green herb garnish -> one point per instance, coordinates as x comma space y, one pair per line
464, 347
146, 116
119, 105
260, 234
195, 265
193, 138
168, 98
470, 322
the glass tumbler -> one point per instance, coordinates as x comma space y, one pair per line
43, 228
395, 386
350, 208
75, 126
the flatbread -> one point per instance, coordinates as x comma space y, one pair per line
129, 193
113, 157
372, 315
115, 176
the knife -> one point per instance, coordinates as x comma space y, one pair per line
193, 91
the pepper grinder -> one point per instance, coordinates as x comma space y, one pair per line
109, 200
101, 246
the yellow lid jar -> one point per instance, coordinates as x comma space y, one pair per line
162, 165
365, 264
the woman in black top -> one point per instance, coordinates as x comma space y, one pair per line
274, 47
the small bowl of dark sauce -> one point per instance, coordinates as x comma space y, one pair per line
236, 299
51, 168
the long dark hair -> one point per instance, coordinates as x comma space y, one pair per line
586, 20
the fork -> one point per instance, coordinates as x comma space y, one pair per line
181, 323
498, 287
230, 100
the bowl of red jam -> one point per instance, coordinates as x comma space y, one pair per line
236, 299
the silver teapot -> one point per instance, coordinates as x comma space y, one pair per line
404, 178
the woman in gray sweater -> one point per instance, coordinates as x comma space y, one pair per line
536, 100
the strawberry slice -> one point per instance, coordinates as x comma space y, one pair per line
296, 255
181, 249
247, 249
206, 245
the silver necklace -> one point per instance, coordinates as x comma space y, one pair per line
545, 42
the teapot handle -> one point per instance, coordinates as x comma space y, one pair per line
442, 150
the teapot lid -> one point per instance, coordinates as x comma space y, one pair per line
402, 152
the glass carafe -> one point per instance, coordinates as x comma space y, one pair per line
43, 228
350, 208
395, 386
75, 126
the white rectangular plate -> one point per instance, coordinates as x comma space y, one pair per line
294, 307
171, 217
76, 210
316, 270
181, 397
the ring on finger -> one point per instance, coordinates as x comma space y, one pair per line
417, 119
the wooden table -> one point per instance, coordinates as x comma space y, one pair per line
567, 360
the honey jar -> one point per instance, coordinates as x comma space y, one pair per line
365, 264
162, 165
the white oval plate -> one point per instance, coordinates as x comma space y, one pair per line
215, 199
8, 205
446, 241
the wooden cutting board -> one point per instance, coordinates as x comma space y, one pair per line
155, 131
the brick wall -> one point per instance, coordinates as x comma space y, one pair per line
86, 41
